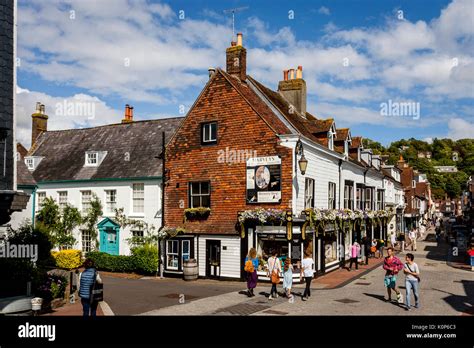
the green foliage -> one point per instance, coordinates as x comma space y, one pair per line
146, 259
92, 217
441, 155
57, 224
150, 232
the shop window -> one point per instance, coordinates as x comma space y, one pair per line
186, 250
309, 193
268, 243
172, 254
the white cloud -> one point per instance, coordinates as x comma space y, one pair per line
460, 129
324, 10
26, 102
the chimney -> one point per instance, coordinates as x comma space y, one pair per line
39, 122
294, 90
236, 59
128, 114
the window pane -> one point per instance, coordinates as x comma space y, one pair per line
204, 188
195, 188
214, 131
195, 202
206, 201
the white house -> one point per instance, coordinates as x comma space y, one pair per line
118, 163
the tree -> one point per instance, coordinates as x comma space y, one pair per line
376, 147
57, 224
92, 217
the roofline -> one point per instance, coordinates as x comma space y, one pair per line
99, 179
27, 186
313, 144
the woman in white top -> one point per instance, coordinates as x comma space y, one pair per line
307, 272
274, 267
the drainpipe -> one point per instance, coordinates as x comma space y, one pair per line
163, 185
34, 206
340, 182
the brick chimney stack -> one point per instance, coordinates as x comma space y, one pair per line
294, 89
39, 122
236, 59
128, 118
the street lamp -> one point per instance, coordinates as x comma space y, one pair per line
303, 162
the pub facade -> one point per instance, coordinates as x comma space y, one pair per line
251, 167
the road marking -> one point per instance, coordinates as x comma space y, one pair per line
106, 308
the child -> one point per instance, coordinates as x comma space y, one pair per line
288, 277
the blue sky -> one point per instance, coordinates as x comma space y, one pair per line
356, 55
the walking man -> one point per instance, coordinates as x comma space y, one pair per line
392, 265
412, 280
412, 236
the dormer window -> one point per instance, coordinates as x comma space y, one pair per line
330, 140
91, 158
94, 158
32, 162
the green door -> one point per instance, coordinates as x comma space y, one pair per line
109, 236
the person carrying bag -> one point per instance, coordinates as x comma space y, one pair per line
274, 275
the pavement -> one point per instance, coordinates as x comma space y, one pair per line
444, 290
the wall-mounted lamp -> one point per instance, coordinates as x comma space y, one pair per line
302, 162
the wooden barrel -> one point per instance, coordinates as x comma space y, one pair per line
190, 269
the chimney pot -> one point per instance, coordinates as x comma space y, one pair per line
38, 107
285, 75
239, 39
292, 74
39, 122
211, 72
131, 113
233, 43
42, 109
299, 72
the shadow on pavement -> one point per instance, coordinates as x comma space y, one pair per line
381, 298
461, 303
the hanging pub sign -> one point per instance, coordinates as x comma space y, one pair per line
264, 179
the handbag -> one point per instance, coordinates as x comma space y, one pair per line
275, 277
97, 290
417, 277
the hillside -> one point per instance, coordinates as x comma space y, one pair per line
425, 156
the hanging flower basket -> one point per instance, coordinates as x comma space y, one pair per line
196, 213
260, 216
170, 232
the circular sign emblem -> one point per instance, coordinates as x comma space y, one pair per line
262, 177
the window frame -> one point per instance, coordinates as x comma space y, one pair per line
40, 197
369, 199
349, 201
89, 241
176, 254
333, 191
200, 195
108, 203
27, 162
211, 141
62, 204
309, 183
134, 207
89, 155
360, 203
88, 202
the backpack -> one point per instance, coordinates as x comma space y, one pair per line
249, 266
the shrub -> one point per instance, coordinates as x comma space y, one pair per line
146, 259
112, 263
52, 286
68, 259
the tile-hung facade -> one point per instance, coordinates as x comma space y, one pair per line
242, 147
118, 163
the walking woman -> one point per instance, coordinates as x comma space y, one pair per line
307, 272
251, 266
274, 270
288, 277
86, 281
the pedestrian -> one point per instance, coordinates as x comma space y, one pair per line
412, 280
392, 265
274, 270
393, 240
307, 272
87, 280
355, 250
288, 277
412, 237
251, 266
380, 246
367, 244
373, 247
422, 231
